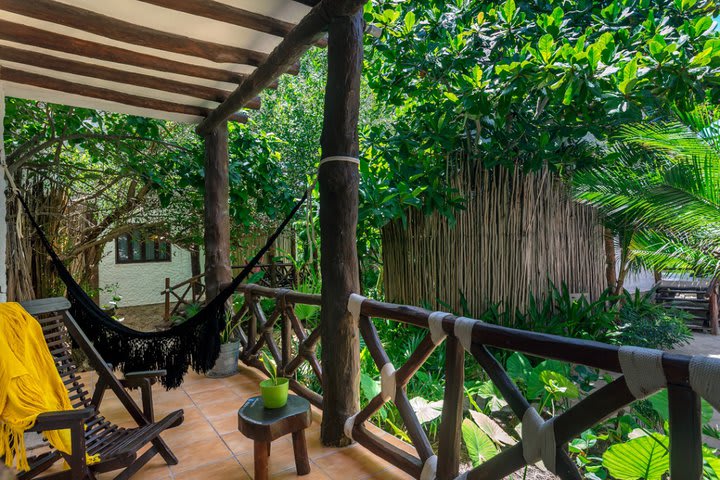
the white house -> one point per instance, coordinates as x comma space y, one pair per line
135, 265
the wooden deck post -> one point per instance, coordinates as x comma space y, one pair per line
685, 433
166, 316
338, 182
217, 211
452, 414
713, 307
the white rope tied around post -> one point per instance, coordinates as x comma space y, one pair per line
339, 158
355, 304
388, 385
463, 331
429, 471
643, 370
437, 334
538, 439
349, 425
705, 378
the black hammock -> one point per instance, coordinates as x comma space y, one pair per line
194, 343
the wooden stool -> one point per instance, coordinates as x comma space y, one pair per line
263, 425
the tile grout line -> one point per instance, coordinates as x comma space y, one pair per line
232, 454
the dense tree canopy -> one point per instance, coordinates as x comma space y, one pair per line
530, 83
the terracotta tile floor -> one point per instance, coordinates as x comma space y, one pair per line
209, 445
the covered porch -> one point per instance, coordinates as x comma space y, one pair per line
321, 360
209, 445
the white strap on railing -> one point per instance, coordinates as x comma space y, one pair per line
349, 425
429, 471
538, 439
463, 331
339, 158
355, 304
642, 369
705, 378
437, 334
388, 385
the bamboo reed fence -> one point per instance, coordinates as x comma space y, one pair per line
518, 233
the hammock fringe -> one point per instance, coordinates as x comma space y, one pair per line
194, 343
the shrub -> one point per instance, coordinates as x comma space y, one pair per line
647, 324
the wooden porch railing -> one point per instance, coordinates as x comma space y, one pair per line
192, 290
260, 331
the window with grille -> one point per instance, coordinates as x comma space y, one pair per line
140, 247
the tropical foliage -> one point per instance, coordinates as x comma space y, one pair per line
530, 83
659, 190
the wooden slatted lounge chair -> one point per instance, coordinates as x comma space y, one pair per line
117, 446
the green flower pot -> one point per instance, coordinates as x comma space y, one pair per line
274, 396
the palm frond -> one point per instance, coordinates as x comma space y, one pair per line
661, 183
671, 140
655, 251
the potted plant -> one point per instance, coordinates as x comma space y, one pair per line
274, 390
227, 363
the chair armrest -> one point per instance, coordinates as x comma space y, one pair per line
144, 381
73, 420
61, 419
136, 379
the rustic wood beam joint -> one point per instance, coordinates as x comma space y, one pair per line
298, 41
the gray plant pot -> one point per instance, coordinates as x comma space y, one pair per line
227, 362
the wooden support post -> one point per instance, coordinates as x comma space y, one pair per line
452, 415
167, 299
217, 212
713, 307
686, 461
338, 181
196, 272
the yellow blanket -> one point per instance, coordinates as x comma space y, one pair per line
29, 385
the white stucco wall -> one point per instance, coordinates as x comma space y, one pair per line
141, 283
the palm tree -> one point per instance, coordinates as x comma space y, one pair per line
658, 190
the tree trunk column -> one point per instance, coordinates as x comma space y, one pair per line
217, 212
338, 182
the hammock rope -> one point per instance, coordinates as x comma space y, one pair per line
194, 343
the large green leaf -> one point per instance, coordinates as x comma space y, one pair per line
426, 411
558, 385
712, 462
479, 445
518, 367
659, 401
491, 428
493, 397
644, 458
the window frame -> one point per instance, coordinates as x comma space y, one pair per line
143, 249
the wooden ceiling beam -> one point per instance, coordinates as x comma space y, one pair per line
309, 3
298, 41
109, 27
120, 76
26, 78
37, 37
223, 12
229, 14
